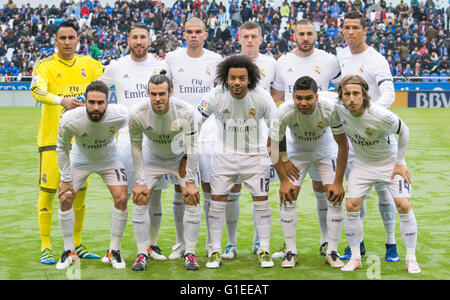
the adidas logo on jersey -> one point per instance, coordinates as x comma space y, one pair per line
296, 125
180, 70
84, 135
149, 128
126, 76
59, 75
226, 111
290, 70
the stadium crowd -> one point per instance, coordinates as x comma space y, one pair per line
412, 36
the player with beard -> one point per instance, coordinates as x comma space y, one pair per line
130, 75
250, 39
360, 59
193, 71
306, 60
94, 151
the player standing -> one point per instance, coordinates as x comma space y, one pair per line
57, 81
130, 75
306, 60
171, 127
368, 126
250, 39
308, 116
360, 59
193, 71
240, 106
94, 151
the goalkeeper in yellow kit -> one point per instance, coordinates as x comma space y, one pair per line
57, 81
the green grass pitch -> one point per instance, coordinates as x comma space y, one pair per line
428, 162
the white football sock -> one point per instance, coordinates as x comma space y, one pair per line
232, 217
263, 220
255, 232
335, 219
118, 223
178, 214
67, 223
206, 207
322, 207
408, 230
141, 224
387, 208
155, 212
289, 219
192, 219
353, 231
216, 221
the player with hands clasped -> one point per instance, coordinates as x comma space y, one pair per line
308, 117
94, 151
369, 126
171, 126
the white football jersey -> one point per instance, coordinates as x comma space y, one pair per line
371, 134
94, 141
130, 79
239, 121
192, 77
266, 65
308, 133
321, 66
373, 67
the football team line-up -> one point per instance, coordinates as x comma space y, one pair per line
243, 117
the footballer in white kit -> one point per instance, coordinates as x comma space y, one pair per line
250, 39
309, 116
193, 72
130, 75
360, 59
240, 108
171, 126
306, 60
368, 127
94, 150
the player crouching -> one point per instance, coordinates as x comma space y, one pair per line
94, 151
370, 128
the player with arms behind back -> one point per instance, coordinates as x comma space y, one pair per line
130, 74
360, 59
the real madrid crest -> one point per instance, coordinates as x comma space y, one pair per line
361, 69
368, 131
112, 130
262, 72
320, 125
252, 112
83, 72
317, 70
208, 71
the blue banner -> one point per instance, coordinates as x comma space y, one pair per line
429, 99
14, 86
410, 86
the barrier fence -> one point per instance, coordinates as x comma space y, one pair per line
426, 92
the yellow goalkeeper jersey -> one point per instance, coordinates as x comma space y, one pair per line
54, 77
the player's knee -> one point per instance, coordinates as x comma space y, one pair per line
206, 187
120, 201
352, 205
403, 206
66, 201
318, 187
236, 188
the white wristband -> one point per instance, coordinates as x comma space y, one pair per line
284, 156
58, 100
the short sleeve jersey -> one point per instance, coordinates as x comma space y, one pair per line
240, 121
